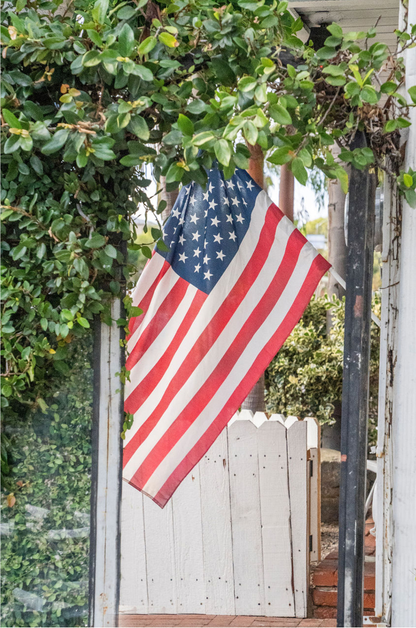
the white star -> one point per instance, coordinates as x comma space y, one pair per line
175, 229
205, 213
244, 201
205, 244
250, 185
240, 218
197, 252
181, 220
187, 190
240, 187
226, 201
206, 259
230, 184
182, 257
229, 218
220, 255
172, 242
218, 238
214, 221
212, 204
193, 199
235, 201
232, 236
194, 218
207, 275
205, 196
222, 183
176, 213
211, 187
181, 239
197, 268
196, 236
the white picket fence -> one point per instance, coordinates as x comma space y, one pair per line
238, 534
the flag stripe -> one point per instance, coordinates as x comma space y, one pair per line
209, 334
152, 377
317, 270
143, 296
223, 367
160, 319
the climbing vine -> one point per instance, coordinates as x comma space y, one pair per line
91, 92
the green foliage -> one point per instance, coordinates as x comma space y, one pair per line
44, 568
305, 378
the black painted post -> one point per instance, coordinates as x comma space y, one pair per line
355, 394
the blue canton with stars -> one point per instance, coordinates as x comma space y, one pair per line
206, 228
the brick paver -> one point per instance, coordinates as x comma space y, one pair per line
217, 621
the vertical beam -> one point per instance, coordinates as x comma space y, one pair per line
106, 472
286, 191
355, 394
404, 421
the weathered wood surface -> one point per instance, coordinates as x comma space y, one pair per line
234, 539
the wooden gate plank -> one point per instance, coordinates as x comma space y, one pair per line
133, 587
216, 528
160, 559
187, 526
298, 492
275, 520
245, 517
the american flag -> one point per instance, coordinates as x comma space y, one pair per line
216, 309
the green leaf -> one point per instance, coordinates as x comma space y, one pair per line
146, 252
185, 125
144, 73
19, 251
147, 45
280, 114
96, 241
83, 322
126, 41
12, 144
222, 150
412, 93
280, 156
111, 251
342, 177
95, 37
56, 142
299, 170
138, 126
33, 110
125, 13
99, 11
250, 132
11, 119
335, 30
410, 196
168, 40
389, 87
408, 180
91, 58
247, 84
223, 71
369, 94
202, 138
131, 160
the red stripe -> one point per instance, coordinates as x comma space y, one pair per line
145, 302
151, 380
212, 330
160, 319
319, 267
295, 244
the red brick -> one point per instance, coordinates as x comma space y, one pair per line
311, 623
369, 600
328, 622
325, 612
242, 621
325, 597
279, 622
326, 574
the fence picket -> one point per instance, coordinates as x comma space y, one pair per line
275, 518
216, 528
245, 517
298, 496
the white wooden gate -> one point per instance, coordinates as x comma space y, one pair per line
238, 534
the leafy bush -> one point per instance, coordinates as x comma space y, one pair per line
305, 378
45, 524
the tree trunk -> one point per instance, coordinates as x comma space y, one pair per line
255, 399
337, 249
286, 191
169, 197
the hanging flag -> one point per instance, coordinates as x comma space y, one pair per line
216, 309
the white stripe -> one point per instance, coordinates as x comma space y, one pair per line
148, 276
216, 352
230, 384
213, 356
163, 288
218, 294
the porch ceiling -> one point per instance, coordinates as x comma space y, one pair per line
352, 15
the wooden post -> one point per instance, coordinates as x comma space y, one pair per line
355, 395
255, 399
286, 191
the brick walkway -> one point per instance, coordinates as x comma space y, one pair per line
219, 621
